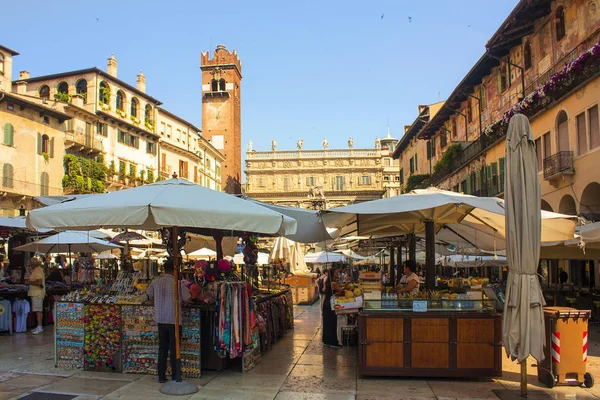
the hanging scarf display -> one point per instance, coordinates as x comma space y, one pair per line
234, 319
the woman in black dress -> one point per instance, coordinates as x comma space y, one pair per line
329, 317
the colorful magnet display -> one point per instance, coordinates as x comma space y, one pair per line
102, 350
69, 335
140, 341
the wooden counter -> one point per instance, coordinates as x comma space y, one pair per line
430, 344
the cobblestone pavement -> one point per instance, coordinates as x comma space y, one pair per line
296, 368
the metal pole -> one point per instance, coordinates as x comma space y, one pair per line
392, 265
429, 255
524, 378
399, 261
412, 247
176, 302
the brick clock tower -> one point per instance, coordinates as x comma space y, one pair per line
221, 112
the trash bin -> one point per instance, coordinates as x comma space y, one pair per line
565, 350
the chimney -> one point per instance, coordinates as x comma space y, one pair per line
422, 108
112, 66
21, 87
24, 75
406, 128
141, 82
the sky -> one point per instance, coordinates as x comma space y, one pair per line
311, 69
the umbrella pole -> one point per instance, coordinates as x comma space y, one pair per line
176, 302
524, 378
73, 272
430, 255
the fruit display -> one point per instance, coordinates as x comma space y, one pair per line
69, 335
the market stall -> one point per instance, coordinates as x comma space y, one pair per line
423, 333
433, 338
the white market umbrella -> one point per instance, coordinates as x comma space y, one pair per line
106, 256
172, 203
351, 254
322, 257
69, 241
476, 221
203, 253
523, 318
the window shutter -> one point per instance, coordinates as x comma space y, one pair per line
477, 180
8, 134
502, 178
51, 148
416, 163
39, 143
499, 80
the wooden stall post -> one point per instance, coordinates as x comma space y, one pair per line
429, 255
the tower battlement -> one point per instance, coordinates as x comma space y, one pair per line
221, 57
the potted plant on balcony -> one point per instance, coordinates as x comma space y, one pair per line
121, 113
149, 125
142, 176
135, 120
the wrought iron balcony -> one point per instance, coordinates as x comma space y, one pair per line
560, 163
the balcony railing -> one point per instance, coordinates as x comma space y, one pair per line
166, 169
255, 155
88, 141
560, 163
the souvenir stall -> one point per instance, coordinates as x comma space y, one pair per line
225, 324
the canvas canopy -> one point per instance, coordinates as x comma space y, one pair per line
173, 202
69, 241
323, 257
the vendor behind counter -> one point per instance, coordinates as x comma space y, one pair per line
409, 283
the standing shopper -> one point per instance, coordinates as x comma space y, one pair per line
329, 327
37, 291
321, 287
161, 290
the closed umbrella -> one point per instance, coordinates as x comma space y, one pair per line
523, 319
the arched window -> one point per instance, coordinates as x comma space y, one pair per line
44, 184
8, 134
45, 144
214, 85
222, 85
527, 54
135, 106
120, 100
7, 175
562, 131
1, 64
482, 98
45, 92
62, 87
81, 88
559, 21
104, 92
148, 114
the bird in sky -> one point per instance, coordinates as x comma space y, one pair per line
409, 19
97, 19
382, 15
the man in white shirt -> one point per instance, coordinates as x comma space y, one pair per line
37, 291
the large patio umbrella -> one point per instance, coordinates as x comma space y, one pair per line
523, 318
69, 241
203, 253
476, 221
322, 257
172, 203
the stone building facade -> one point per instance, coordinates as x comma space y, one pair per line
221, 112
543, 61
105, 134
561, 103
315, 179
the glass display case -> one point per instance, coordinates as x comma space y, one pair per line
424, 305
